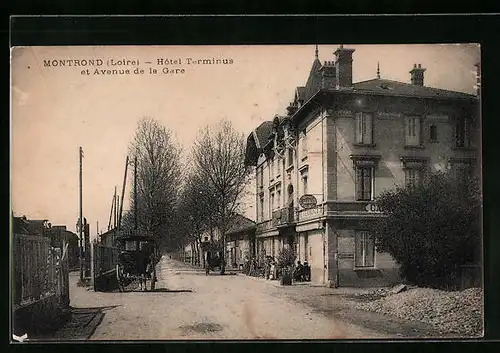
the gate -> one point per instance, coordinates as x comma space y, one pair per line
104, 260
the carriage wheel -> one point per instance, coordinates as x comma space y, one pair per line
119, 277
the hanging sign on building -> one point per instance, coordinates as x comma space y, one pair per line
373, 208
308, 201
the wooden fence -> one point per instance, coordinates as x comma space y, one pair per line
39, 270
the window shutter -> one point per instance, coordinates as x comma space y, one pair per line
359, 249
359, 128
418, 177
407, 123
359, 183
417, 123
368, 135
367, 184
369, 250
466, 132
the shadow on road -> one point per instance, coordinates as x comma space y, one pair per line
160, 290
86, 309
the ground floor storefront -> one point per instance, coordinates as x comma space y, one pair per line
339, 252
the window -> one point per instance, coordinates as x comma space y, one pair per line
364, 249
433, 133
412, 177
271, 202
278, 197
364, 128
261, 209
304, 144
412, 131
290, 156
462, 132
261, 177
130, 245
304, 184
462, 172
364, 183
277, 166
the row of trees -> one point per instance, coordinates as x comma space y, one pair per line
431, 230
178, 195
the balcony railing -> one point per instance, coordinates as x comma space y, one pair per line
286, 216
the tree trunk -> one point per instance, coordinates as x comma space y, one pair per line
193, 252
223, 234
197, 241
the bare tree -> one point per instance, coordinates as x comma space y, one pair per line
218, 156
158, 173
195, 211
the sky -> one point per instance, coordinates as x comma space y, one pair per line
55, 109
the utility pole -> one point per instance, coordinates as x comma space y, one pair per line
117, 210
80, 221
111, 212
123, 194
114, 211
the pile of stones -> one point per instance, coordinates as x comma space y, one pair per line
457, 312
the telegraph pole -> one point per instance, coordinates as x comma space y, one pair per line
123, 194
80, 221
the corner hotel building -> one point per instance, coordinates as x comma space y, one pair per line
345, 143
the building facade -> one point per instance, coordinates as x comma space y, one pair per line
342, 144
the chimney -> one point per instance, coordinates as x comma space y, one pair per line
343, 67
417, 75
328, 75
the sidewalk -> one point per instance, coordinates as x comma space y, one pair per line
83, 321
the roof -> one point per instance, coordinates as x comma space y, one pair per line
313, 81
21, 225
263, 132
301, 93
389, 87
256, 142
240, 223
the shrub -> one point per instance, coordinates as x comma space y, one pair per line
286, 257
431, 230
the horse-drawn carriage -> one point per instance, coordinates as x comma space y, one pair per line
137, 261
213, 259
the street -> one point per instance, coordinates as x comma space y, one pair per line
189, 305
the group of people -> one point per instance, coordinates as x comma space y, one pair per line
302, 273
271, 268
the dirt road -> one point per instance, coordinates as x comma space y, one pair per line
188, 305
